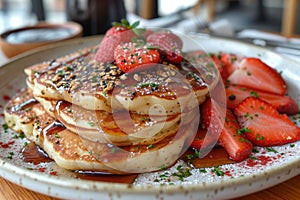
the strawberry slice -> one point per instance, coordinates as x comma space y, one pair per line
253, 73
168, 43
233, 140
212, 115
118, 34
221, 66
131, 55
210, 60
231, 61
225, 126
204, 139
266, 127
236, 94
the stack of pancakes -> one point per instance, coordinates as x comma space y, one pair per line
88, 115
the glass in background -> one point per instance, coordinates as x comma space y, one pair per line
95, 16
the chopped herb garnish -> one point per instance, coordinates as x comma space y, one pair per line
150, 146
253, 93
5, 127
22, 135
94, 79
153, 85
253, 157
11, 154
254, 150
91, 123
243, 130
182, 173
60, 72
113, 150
244, 140
210, 64
164, 167
218, 171
271, 149
259, 137
145, 119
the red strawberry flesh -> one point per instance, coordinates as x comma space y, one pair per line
236, 144
253, 73
131, 55
169, 43
266, 126
118, 34
284, 104
224, 126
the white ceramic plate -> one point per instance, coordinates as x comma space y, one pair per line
239, 179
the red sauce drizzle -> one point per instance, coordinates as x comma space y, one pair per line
6, 145
261, 160
6, 97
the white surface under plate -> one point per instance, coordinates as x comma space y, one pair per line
239, 179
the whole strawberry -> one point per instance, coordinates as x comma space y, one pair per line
130, 55
169, 43
118, 34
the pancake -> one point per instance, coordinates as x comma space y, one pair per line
72, 152
24, 114
96, 86
122, 128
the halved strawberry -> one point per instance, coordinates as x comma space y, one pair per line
266, 127
105, 52
118, 34
168, 43
236, 94
253, 73
223, 123
131, 55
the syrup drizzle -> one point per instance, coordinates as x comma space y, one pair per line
111, 178
27, 104
32, 153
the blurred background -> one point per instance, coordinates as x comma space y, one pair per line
263, 15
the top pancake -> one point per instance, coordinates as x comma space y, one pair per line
161, 89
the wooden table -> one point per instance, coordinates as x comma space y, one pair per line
289, 190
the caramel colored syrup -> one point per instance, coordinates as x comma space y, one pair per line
111, 178
32, 153
27, 104
217, 156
